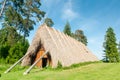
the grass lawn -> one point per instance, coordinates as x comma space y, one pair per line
93, 71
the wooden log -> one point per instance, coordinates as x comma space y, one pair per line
28, 70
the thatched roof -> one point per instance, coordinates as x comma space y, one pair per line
61, 47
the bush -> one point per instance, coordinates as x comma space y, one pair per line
16, 52
59, 65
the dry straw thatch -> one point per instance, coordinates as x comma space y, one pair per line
62, 48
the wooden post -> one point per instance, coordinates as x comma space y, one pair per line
28, 70
8, 70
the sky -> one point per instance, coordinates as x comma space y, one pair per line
92, 16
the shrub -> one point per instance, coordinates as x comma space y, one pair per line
59, 65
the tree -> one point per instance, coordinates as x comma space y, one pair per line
12, 46
17, 51
8, 37
22, 14
110, 46
49, 22
67, 29
4, 50
79, 35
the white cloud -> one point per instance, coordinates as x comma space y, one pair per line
67, 12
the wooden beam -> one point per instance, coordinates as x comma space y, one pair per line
28, 70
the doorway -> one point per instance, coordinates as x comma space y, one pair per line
44, 62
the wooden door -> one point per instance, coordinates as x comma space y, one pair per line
39, 54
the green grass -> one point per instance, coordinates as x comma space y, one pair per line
90, 71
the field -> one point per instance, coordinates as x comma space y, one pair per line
92, 71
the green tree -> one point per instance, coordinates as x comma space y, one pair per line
49, 22
12, 46
67, 29
110, 46
22, 14
8, 37
4, 48
17, 51
79, 35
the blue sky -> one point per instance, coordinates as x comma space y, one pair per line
91, 16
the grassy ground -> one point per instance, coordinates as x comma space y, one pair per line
93, 71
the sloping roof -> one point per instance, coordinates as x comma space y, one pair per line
61, 47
